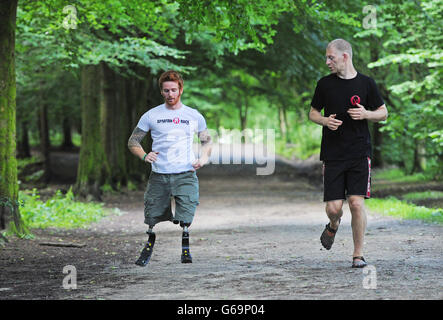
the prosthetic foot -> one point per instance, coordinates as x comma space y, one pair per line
186, 254
146, 253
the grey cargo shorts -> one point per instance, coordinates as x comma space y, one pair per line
161, 187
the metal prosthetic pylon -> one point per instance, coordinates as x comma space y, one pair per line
146, 252
186, 254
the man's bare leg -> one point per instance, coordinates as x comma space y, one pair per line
334, 212
358, 224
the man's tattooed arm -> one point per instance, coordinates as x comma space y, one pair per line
134, 142
136, 137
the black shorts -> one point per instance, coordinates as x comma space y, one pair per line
344, 178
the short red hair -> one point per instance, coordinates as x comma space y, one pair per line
170, 75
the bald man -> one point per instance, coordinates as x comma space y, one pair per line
348, 100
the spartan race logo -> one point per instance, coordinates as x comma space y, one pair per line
355, 100
175, 121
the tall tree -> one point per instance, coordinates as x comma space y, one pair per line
114, 122
9, 209
93, 169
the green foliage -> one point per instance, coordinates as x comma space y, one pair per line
131, 50
8, 202
23, 163
423, 195
411, 57
24, 233
399, 175
242, 24
34, 177
60, 211
132, 186
397, 208
306, 140
107, 188
56, 139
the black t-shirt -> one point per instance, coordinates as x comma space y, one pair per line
333, 94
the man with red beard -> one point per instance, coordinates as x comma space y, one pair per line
349, 99
173, 180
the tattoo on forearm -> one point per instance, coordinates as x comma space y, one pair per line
204, 137
136, 137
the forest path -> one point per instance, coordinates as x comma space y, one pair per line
258, 238
253, 237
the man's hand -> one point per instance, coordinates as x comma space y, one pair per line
151, 157
333, 123
200, 163
359, 113
206, 142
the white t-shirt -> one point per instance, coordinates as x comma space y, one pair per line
172, 133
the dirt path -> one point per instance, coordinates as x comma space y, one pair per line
254, 238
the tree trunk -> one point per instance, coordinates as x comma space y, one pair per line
154, 97
93, 168
419, 160
283, 120
23, 148
137, 102
9, 209
44, 141
147, 96
114, 125
67, 135
243, 118
123, 114
377, 136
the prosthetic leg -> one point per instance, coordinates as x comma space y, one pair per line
146, 253
186, 254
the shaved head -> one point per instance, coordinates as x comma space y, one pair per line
341, 45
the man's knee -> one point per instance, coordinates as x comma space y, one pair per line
334, 208
356, 203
